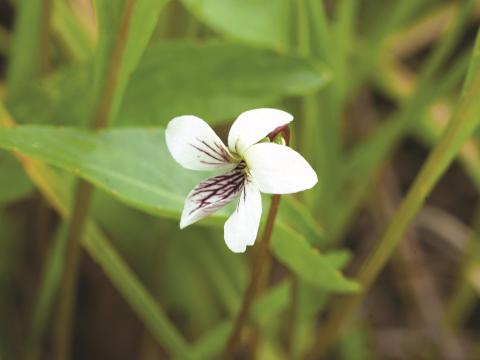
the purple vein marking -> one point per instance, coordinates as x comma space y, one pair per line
217, 191
218, 154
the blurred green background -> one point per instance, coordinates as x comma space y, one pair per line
86, 89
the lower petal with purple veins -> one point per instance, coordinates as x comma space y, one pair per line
212, 194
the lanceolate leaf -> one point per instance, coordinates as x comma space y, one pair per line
318, 270
216, 81
133, 164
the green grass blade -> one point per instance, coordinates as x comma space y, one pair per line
26, 45
464, 121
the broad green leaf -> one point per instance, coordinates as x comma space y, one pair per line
14, 184
125, 28
258, 22
131, 164
54, 100
294, 251
134, 165
26, 45
214, 81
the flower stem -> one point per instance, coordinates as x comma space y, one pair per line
259, 272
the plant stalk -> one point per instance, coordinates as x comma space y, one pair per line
260, 267
68, 287
68, 290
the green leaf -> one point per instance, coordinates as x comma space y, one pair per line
257, 22
14, 184
297, 216
308, 263
25, 54
213, 81
135, 166
54, 100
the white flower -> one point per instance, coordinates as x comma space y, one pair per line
250, 168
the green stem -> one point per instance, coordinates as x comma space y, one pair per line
68, 285
68, 289
259, 272
461, 127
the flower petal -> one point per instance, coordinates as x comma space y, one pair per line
194, 145
241, 228
253, 125
278, 169
212, 194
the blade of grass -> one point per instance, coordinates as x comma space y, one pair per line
29, 44
402, 121
72, 33
461, 126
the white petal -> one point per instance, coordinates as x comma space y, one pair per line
278, 169
194, 145
241, 227
253, 125
211, 195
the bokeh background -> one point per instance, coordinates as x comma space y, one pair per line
372, 85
